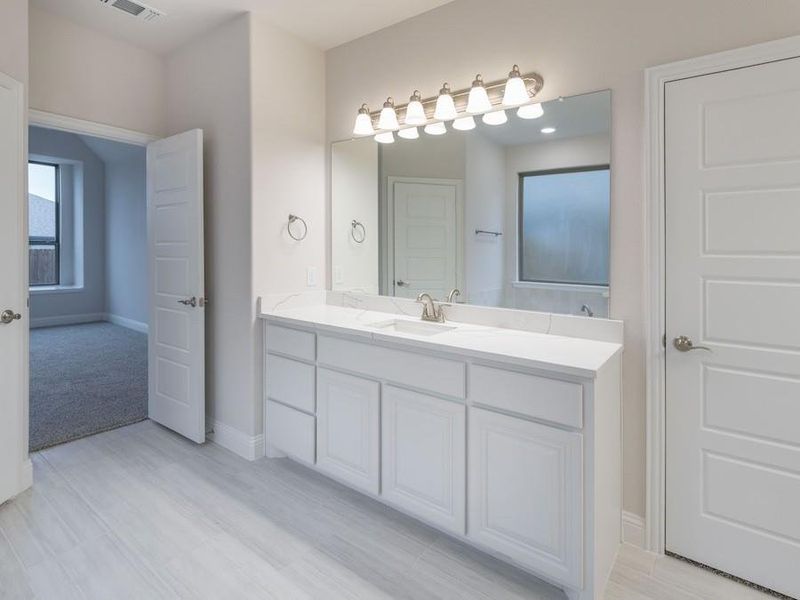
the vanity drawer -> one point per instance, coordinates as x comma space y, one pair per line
438, 375
291, 382
539, 397
290, 431
292, 342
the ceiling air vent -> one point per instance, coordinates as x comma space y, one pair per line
137, 9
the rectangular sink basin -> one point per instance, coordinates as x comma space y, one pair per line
412, 327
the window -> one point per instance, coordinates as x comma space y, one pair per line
563, 226
43, 224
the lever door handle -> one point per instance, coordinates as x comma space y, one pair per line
189, 301
401, 283
9, 316
685, 344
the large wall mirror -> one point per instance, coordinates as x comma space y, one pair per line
513, 215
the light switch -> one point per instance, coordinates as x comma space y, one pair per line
311, 276
338, 274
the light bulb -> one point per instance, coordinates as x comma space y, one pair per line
415, 112
464, 123
385, 137
515, 93
363, 124
445, 107
530, 111
435, 129
478, 101
411, 133
548, 130
495, 118
388, 118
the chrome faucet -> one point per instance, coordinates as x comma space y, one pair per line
588, 310
452, 295
430, 311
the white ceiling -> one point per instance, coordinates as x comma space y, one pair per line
324, 23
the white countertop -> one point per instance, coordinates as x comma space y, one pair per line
568, 355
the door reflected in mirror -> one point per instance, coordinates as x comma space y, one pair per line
513, 215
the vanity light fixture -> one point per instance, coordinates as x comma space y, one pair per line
497, 117
516, 91
530, 111
363, 124
445, 107
410, 133
415, 112
435, 129
478, 101
461, 107
464, 123
548, 130
388, 118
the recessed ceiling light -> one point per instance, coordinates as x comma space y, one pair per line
548, 130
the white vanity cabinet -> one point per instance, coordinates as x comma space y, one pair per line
519, 460
424, 456
348, 429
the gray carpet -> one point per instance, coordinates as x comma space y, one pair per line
85, 379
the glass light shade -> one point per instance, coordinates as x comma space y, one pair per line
445, 107
515, 93
388, 118
385, 137
363, 124
548, 130
478, 100
530, 111
436, 129
495, 118
464, 123
415, 112
411, 133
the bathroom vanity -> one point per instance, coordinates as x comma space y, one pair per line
508, 439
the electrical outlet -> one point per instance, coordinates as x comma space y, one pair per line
311, 276
338, 274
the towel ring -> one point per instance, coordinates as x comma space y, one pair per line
354, 227
292, 219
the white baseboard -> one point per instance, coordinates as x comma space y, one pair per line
67, 320
632, 529
126, 322
249, 447
25, 475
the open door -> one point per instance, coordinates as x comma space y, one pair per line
15, 473
176, 340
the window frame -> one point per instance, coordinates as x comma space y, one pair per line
57, 242
520, 209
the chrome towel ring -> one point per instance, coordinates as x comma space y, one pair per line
292, 219
355, 226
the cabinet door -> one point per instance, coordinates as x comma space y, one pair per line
348, 428
526, 493
424, 456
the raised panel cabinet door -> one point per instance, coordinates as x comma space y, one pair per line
525, 493
348, 428
424, 456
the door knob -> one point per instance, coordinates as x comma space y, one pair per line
7, 316
685, 344
401, 283
189, 301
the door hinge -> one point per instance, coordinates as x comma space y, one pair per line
664, 340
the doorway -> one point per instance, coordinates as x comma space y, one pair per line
729, 285
87, 236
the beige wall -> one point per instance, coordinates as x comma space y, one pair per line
578, 46
14, 39
79, 72
209, 88
288, 167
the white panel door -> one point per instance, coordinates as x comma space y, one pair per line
348, 428
424, 456
13, 290
176, 341
425, 238
526, 493
733, 285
